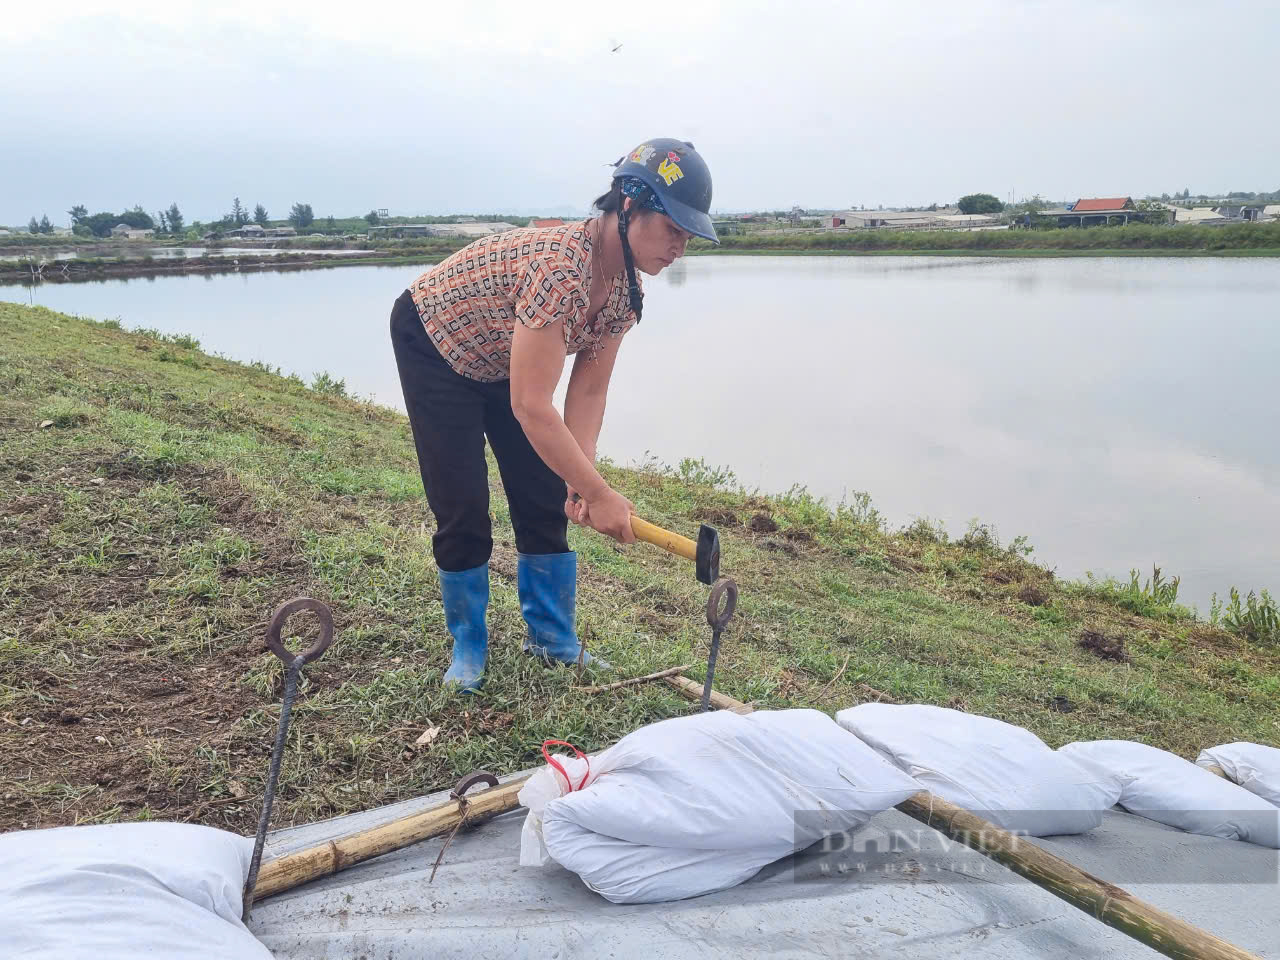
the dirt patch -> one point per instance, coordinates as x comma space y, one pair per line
110, 718
1108, 648
904, 564
1033, 596
781, 546
126, 739
798, 535
762, 523
716, 516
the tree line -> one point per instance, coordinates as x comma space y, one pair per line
168, 222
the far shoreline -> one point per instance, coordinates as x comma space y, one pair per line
18, 273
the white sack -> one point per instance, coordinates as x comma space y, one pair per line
1161, 786
122, 891
1251, 765
994, 769
700, 803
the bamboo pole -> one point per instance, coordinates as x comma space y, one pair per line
692, 690
1104, 901
312, 863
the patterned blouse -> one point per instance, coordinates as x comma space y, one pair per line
469, 303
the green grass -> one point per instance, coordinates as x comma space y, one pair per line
990, 252
147, 533
1092, 241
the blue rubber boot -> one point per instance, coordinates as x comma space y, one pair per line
466, 599
548, 585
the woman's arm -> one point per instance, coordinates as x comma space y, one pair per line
537, 361
584, 401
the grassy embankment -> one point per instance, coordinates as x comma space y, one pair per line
156, 503
1245, 239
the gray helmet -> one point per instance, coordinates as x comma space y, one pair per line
679, 177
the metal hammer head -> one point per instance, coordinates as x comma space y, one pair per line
707, 564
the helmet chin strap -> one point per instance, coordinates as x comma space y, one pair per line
633, 287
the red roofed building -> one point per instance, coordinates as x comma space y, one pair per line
547, 223
1103, 205
1104, 211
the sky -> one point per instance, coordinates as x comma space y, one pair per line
433, 108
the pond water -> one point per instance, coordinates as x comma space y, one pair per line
1119, 412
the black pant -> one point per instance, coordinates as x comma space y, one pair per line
451, 415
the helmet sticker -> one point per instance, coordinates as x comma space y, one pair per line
643, 154
669, 171
673, 156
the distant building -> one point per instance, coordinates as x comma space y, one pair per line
467, 228
1240, 211
1197, 215
248, 230
125, 232
896, 219
4, 232
1271, 211
279, 232
1106, 211
473, 228
967, 221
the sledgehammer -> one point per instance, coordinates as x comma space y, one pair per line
705, 554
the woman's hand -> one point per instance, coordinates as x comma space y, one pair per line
575, 508
610, 513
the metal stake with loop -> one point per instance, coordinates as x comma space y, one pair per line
724, 590
293, 664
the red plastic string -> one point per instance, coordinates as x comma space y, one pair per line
554, 764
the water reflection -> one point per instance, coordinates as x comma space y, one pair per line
1120, 412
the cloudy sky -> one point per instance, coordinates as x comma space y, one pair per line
435, 108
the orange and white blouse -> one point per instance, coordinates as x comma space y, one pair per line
471, 302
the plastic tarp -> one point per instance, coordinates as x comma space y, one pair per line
906, 900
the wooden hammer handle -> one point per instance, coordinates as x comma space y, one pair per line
671, 542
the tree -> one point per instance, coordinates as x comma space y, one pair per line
163, 221
175, 218
372, 217
300, 215
1186, 193
979, 203
33, 226
328, 222
260, 215
137, 218
239, 216
99, 224
45, 225
78, 213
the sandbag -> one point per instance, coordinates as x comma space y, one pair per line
994, 769
699, 803
1251, 765
1162, 786
125, 890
